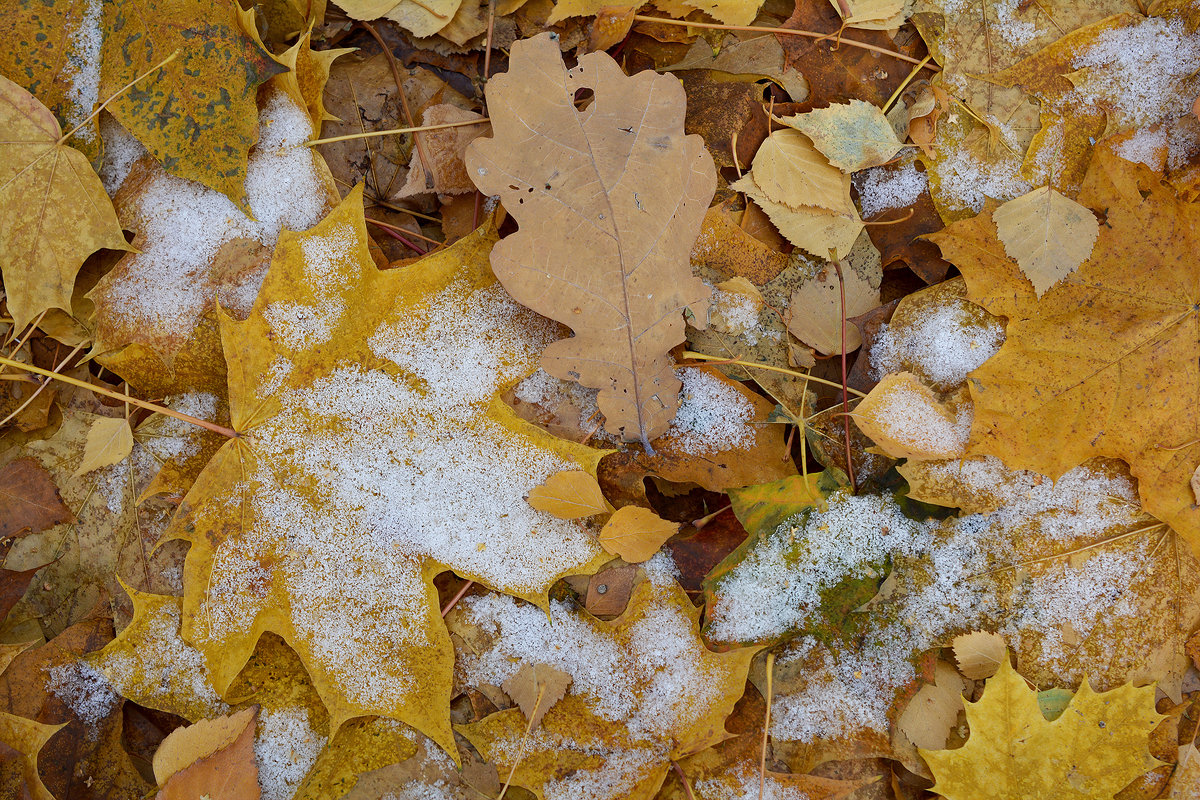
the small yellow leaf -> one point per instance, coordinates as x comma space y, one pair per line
853, 135
790, 170
1048, 235
109, 440
535, 688
635, 533
814, 230
570, 494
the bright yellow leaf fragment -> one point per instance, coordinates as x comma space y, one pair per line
1098, 745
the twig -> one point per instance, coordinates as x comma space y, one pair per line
770, 368
170, 412
117, 94
524, 739
454, 600
896, 94
837, 266
687, 786
393, 231
487, 71
784, 32
41, 385
396, 131
408, 117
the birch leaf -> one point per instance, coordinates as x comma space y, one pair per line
853, 135
635, 533
571, 494
1049, 235
109, 440
609, 200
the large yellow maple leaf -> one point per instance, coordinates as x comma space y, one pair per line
1093, 750
374, 453
1106, 363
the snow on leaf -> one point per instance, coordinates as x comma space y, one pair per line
1106, 362
644, 691
375, 454
609, 200
1097, 747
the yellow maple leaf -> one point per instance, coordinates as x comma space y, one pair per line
1106, 362
1093, 750
374, 453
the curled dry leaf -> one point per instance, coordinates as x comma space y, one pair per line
635, 533
187, 745
445, 150
927, 719
535, 689
570, 494
609, 200
1047, 234
817, 314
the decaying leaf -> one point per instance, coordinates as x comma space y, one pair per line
609, 202
195, 114
823, 303
927, 719
54, 211
213, 758
1093, 750
635, 533
445, 148
853, 135
23, 740
571, 494
1047, 234
29, 499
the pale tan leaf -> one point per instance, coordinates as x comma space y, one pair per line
635, 533
1048, 235
979, 653
187, 745
731, 12
444, 149
873, 15
790, 170
904, 419
816, 311
608, 200
109, 440
421, 19
570, 494
929, 716
853, 135
814, 230
535, 689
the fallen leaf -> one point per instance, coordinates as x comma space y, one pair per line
422, 19
756, 55
195, 114
927, 719
428, 771
880, 15
225, 773
789, 170
109, 440
906, 420
445, 149
24, 739
406, 332
635, 533
818, 231
53, 209
1118, 345
29, 499
979, 653
827, 298
571, 494
1094, 750
535, 688
1047, 234
198, 741
609, 590
853, 135
632, 205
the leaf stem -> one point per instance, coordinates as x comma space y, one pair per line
396, 131
785, 32
896, 94
762, 761
768, 367
408, 117
837, 266
170, 412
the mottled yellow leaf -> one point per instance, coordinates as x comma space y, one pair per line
790, 170
109, 440
1092, 751
853, 135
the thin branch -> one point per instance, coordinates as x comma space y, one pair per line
396, 131
770, 368
408, 117
837, 266
170, 412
